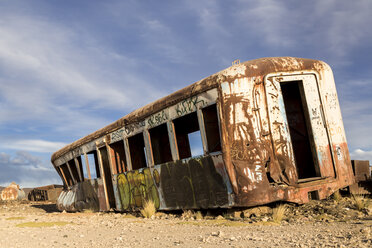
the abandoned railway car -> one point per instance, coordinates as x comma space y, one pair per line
270, 130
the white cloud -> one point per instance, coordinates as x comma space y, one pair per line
46, 66
272, 20
33, 145
26, 170
349, 24
359, 154
330, 28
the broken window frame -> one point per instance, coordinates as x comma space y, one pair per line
188, 154
203, 128
84, 161
152, 137
67, 174
97, 168
146, 149
119, 164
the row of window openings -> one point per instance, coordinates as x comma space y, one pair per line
188, 140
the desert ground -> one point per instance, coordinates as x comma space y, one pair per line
327, 223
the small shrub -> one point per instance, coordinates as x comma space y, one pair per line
148, 209
337, 196
279, 213
198, 215
360, 202
187, 214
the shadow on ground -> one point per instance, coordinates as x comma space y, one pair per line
47, 207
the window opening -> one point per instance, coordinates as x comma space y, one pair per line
74, 169
59, 170
161, 150
93, 164
212, 129
294, 103
137, 151
188, 136
67, 174
118, 158
83, 168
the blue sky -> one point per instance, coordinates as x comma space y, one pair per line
68, 68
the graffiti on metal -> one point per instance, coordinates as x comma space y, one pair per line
137, 187
192, 183
157, 119
133, 127
189, 105
117, 135
280, 126
12, 192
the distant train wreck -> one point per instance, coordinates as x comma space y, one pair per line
270, 130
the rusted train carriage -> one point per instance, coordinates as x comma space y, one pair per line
271, 130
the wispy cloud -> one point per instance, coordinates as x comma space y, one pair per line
63, 76
33, 145
27, 170
48, 66
359, 154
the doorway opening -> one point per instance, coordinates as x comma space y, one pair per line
108, 178
300, 129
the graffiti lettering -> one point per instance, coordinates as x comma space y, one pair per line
130, 129
189, 105
135, 188
117, 135
157, 119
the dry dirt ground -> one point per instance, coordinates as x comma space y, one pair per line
317, 224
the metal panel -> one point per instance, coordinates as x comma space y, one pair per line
280, 131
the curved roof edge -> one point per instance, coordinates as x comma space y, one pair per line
251, 68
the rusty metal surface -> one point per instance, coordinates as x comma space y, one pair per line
12, 192
363, 177
185, 184
84, 195
361, 170
191, 183
253, 68
362, 187
268, 138
45, 193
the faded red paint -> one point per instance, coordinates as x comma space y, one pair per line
12, 192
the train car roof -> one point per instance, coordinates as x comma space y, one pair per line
252, 68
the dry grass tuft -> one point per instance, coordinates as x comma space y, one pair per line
198, 215
43, 224
149, 209
187, 214
279, 213
16, 218
214, 223
88, 211
360, 201
337, 196
129, 216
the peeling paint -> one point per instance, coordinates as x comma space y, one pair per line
281, 135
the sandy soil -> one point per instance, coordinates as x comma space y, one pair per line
318, 224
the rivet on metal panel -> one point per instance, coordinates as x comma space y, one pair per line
258, 81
